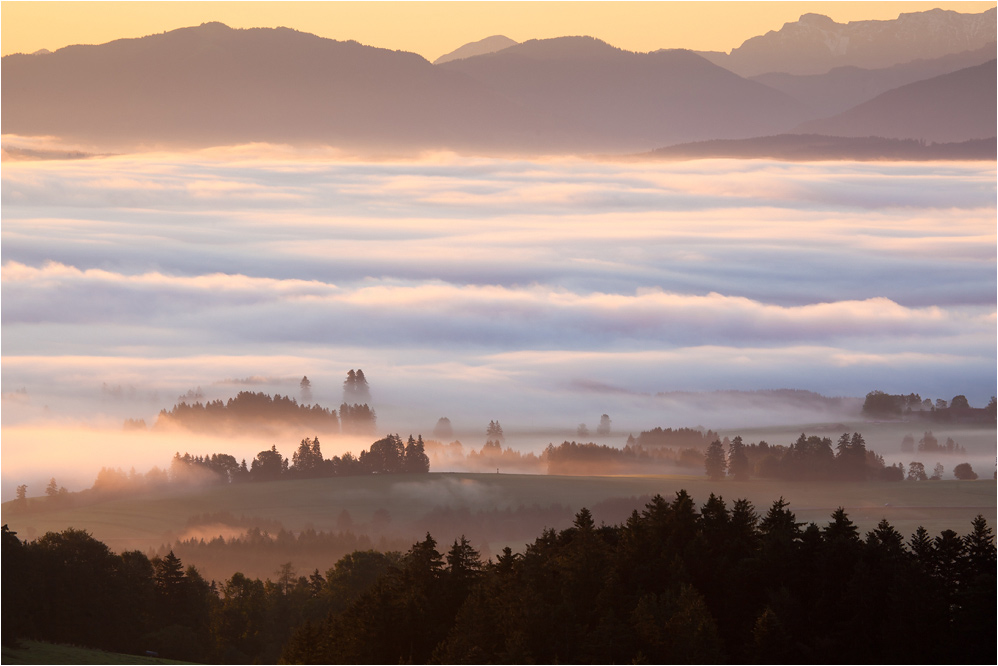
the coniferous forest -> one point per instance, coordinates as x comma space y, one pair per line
677, 582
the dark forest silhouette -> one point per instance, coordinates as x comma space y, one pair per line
674, 583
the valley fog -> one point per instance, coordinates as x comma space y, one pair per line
539, 293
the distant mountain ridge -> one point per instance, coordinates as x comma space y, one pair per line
845, 87
481, 47
815, 147
952, 107
639, 99
815, 44
213, 85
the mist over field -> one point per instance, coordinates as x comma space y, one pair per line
541, 293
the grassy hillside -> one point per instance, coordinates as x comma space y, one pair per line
36, 652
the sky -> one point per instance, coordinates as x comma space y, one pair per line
432, 29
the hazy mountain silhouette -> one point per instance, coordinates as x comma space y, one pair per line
211, 85
953, 107
845, 87
810, 147
815, 44
481, 47
618, 99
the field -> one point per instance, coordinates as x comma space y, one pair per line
150, 521
37, 652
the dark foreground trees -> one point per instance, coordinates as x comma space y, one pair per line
678, 584
675, 583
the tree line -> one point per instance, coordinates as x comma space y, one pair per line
880, 404
388, 455
249, 410
674, 583
813, 458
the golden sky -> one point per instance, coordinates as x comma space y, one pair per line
434, 28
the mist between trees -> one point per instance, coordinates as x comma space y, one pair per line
656, 451
673, 583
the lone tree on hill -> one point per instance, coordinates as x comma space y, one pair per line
603, 429
964, 472
916, 472
306, 389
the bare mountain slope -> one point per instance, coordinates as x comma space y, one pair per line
953, 107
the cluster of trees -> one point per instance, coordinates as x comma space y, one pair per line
810, 458
929, 444
657, 588
916, 472
253, 410
70, 588
355, 388
680, 438
581, 459
879, 404
385, 456
602, 430
248, 409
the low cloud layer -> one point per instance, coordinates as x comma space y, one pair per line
474, 287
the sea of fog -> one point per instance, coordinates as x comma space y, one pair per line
539, 293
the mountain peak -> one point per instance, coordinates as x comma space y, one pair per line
816, 20
481, 47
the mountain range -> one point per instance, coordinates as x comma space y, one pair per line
816, 44
212, 85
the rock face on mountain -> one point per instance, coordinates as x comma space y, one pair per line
815, 43
481, 47
212, 85
638, 99
845, 87
953, 107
